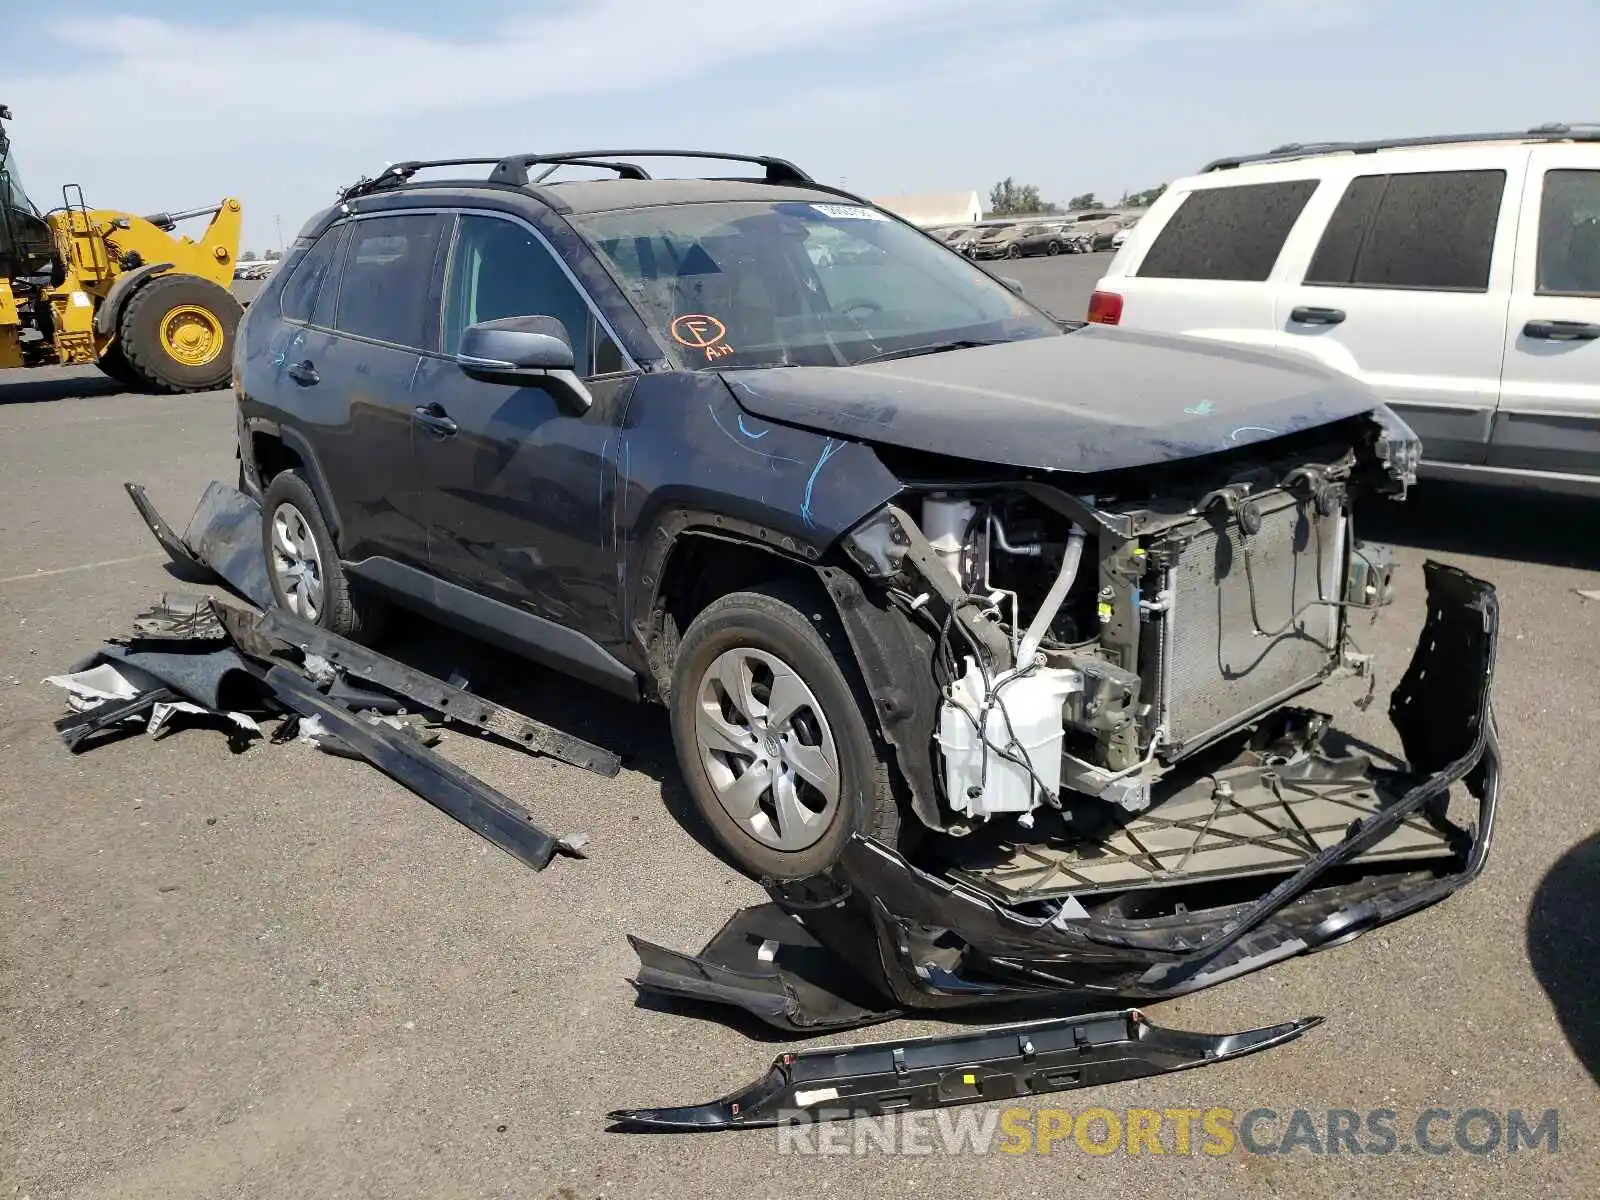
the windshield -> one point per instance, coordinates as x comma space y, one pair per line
797, 284
11, 193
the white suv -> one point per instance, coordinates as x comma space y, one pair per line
1459, 276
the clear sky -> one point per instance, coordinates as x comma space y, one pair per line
152, 105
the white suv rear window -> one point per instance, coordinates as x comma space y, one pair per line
1227, 232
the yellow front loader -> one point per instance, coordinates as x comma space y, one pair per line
153, 310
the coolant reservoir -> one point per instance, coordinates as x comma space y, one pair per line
982, 786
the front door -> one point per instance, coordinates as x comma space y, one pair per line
1549, 416
517, 485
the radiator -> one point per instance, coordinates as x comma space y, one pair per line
1217, 670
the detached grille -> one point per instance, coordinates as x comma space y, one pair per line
1218, 670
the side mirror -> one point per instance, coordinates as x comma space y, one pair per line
531, 351
1014, 284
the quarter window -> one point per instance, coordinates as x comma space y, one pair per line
1228, 232
1431, 230
500, 269
386, 289
1569, 234
299, 296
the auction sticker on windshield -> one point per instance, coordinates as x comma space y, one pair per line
849, 212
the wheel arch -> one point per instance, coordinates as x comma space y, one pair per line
109, 314
698, 556
294, 452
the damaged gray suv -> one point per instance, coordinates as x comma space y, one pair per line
986, 641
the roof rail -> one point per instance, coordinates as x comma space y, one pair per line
1555, 131
514, 170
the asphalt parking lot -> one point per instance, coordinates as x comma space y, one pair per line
277, 974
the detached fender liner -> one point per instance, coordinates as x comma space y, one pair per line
1031, 1059
916, 940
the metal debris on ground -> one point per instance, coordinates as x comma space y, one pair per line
195, 659
839, 1082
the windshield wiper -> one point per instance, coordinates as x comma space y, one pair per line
931, 348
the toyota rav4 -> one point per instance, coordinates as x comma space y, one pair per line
1023, 611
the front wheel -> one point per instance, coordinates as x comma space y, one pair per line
770, 725
1014, 252
1053, 249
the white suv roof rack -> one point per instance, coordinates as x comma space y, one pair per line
1555, 131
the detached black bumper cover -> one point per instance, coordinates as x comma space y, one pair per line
907, 939
840, 1082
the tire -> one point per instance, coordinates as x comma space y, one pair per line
785, 626
1013, 251
1053, 249
177, 332
293, 530
116, 366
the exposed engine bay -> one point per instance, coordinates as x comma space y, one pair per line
1088, 645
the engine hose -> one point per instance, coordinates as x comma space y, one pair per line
1053, 599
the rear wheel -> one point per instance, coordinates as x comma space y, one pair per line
176, 334
1053, 249
303, 563
772, 736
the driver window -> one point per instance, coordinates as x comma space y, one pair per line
499, 269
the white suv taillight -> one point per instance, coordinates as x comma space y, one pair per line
1105, 308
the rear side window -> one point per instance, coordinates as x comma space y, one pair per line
1569, 234
1431, 230
386, 288
299, 296
1228, 232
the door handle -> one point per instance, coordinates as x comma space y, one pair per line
1312, 315
303, 372
1562, 331
435, 419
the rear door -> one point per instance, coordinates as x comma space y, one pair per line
385, 318
1406, 285
1206, 270
1549, 415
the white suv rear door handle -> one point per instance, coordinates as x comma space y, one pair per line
1312, 315
1562, 331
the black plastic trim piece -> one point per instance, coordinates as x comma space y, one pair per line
510, 628
493, 816
458, 704
1031, 1059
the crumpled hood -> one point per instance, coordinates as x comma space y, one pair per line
1097, 399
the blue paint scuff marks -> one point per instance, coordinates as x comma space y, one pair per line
1204, 408
754, 437
744, 444
829, 449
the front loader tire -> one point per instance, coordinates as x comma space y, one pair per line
176, 334
116, 367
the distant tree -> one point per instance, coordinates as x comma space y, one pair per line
1011, 199
1084, 200
248, 256
1143, 199
273, 255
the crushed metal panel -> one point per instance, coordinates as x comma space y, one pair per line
493, 816
457, 704
164, 534
1031, 1059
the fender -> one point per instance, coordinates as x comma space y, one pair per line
110, 310
297, 442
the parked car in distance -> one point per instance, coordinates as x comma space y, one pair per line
997, 241
1121, 235
1458, 276
959, 238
